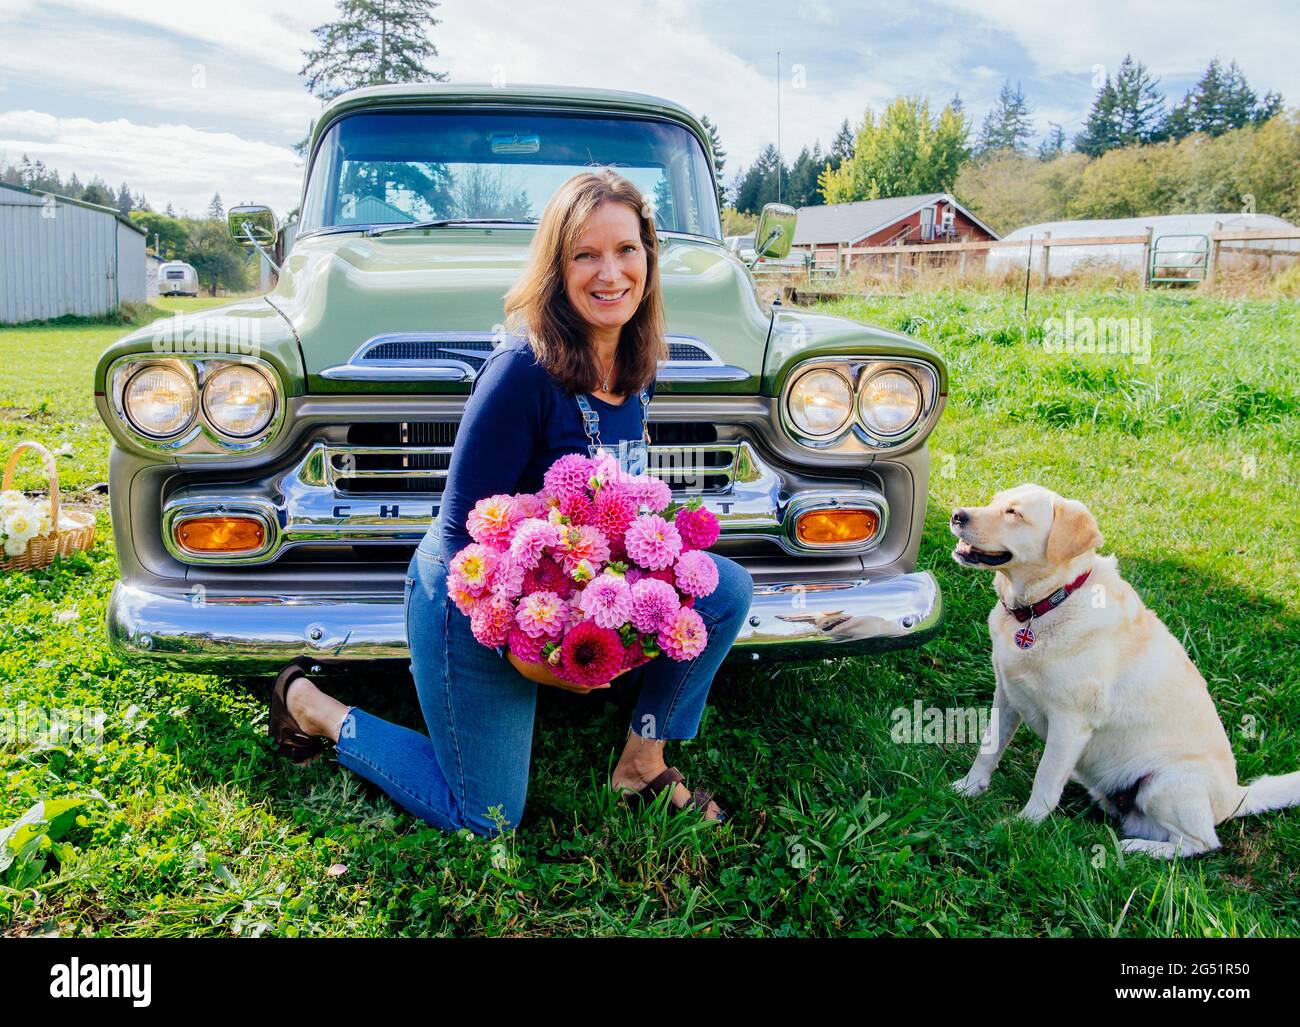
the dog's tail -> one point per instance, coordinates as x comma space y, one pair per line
1271, 793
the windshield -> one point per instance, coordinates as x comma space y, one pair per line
393, 168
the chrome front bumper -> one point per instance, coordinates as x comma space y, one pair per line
250, 633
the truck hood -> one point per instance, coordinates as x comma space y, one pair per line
339, 291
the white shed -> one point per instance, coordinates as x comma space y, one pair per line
63, 256
1181, 239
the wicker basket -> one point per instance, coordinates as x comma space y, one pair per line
59, 541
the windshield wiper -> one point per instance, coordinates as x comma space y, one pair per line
442, 223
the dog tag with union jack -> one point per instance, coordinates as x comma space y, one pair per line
1025, 637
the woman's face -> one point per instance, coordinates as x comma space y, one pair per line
605, 275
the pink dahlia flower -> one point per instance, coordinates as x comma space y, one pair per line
696, 573
461, 594
577, 507
568, 475
683, 636
652, 492
698, 528
653, 602
607, 600
524, 646
583, 542
542, 615
508, 578
475, 564
635, 574
576, 612
652, 542
492, 620
592, 655
614, 511
493, 520
531, 539
531, 504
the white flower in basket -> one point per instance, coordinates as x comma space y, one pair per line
34, 532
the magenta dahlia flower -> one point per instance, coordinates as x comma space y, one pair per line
698, 527
568, 476
577, 507
493, 520
634, 655
542, 615
548, 576
492, 620
591, 655
683, 635
653, 602
607, 600
696, 573
652, 542
524, 646
614, 511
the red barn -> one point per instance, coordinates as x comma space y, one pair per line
832, 230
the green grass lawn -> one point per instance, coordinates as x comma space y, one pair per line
189, 825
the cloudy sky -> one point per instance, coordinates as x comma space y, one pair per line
181, 100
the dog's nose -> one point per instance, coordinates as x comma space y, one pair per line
960, 517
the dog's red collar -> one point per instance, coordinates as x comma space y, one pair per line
1024, 613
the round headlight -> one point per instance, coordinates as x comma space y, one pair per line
820, 402
160, 401
238, 400
890, 403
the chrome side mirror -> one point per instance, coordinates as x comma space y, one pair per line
775, 231
252, 224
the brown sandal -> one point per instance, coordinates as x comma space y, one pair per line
287, 733
700, 799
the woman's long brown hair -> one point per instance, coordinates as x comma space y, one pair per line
539, 303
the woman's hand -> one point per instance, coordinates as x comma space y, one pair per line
541, 673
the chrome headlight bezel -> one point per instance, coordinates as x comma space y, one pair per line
185, 374
856, 436
204, 399
800, 376
861, 402
201, 437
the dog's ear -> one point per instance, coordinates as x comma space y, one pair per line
1074, 531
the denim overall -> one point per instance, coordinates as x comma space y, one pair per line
478, 711
632, 456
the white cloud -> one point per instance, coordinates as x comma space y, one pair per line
1069, 37
168, 163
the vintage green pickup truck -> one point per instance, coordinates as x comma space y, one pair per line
275, 460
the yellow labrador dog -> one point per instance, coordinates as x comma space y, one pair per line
1097, 676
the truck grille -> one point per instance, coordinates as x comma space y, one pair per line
414, 456
473, 352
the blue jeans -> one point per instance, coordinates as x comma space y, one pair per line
479, 710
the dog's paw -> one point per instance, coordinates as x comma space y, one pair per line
1034, 812
971, 785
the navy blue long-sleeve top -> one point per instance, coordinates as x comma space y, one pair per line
517, 421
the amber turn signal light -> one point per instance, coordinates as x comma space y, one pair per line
220, 534
832, 527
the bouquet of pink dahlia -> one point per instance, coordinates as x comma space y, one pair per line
596, 573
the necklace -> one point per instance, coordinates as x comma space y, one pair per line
608, 371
